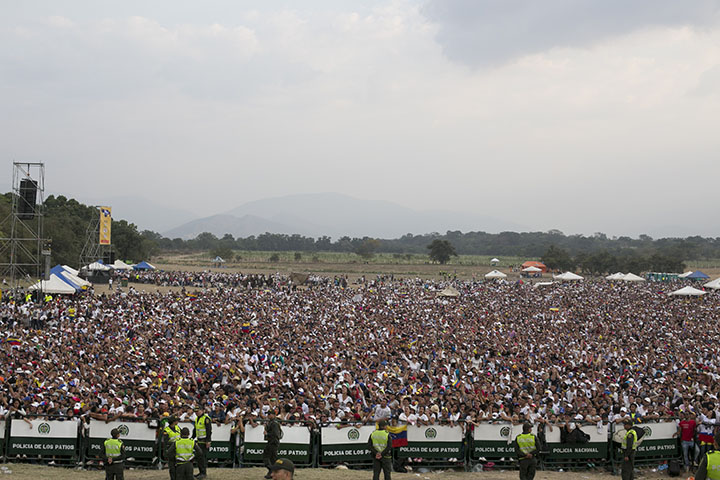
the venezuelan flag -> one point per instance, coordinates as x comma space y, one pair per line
246, 327
456, 383
398, 436
13, 341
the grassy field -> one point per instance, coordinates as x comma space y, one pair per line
332, 263
56, 473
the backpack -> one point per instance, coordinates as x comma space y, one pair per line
674, 468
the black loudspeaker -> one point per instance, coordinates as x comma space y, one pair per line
109, 257
28, 196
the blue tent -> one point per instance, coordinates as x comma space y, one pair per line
143, 266
60, 272
697, 276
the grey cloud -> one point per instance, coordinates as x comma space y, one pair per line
490, 32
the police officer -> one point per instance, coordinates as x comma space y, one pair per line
283, 469
183, 450
629, 445
203, 436
526, 448
381, 450
114, 456
709, 467
272, 435
171, 434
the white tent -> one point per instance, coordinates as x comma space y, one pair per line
218, 259
688, 292
495, 260
715, 284
495, 274
98, 266
532, 269
120, 265
70, 269
75, 279
615, 276
54, 286
568, 277
631, 277
685, 275
449, 292
542, 284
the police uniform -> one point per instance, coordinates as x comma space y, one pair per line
709, 467
629, 446
203, 435
272, 432
170, 436
379, 442
183, 451
115, 450
526, 444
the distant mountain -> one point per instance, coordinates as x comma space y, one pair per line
336, 215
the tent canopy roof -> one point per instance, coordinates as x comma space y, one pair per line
449, 292
631, 277
568, 276
697, 275
688, 291
54, 286
715, 284
495, 274
144, 266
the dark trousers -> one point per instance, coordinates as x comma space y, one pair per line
172, 467
270, 454
202, 459
527, 468
184, 471
384, 464
628, 467
114, 471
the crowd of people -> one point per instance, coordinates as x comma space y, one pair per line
387, 349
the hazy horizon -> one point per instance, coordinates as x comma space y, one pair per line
585, 117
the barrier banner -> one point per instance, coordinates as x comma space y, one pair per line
294, 445
2, 435
596, 447
44, 437
495, 440
657, 441
345, 444
138, 438
220, 446
433, 441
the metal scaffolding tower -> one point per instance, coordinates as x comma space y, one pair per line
22, 246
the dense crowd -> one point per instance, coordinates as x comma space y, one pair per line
578, 352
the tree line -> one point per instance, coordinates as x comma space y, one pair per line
66, 222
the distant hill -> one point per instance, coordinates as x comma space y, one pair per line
335, 215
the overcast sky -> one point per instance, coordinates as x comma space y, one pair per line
579, 115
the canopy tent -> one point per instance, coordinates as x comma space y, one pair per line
494, 261
218, 259
631, 277
71, 270
688, 292
68, 277
568, 277
143, 266
449, 292
532, 269
715, 284
98, 266
685, 275
542, 284
54, 286
495, 274
531, 263
120, 265
615, 276
697, 276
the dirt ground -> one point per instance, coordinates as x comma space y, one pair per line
21, 471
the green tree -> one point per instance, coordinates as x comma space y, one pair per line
557, 259
367, 248
441, 251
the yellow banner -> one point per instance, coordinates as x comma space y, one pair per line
105, 225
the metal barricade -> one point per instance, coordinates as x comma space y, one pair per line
137, 436
52, 439
659, 444
566, 452
297, 444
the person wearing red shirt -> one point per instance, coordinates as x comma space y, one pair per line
686, 428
